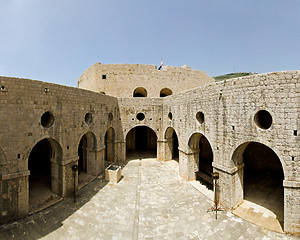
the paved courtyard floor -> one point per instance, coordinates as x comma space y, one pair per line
150, 202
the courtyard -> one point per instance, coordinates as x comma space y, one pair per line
150, 202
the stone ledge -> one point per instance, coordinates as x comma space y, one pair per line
68, 161
227, 169
15, 175
291, 184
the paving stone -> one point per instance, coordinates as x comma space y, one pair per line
156, 205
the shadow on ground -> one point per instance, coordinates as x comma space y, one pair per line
42, 223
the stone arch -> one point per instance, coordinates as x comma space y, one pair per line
140, 92
171, 144
165, 92
43, 163
109, 145
141, 140
86, 157
201, 154
260, 178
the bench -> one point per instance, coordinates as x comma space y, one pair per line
204, 176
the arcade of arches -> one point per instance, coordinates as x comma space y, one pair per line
260, 181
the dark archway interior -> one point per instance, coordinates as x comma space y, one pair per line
140, 92
39, 165
205, 163
165, 92
138, 95
263, 178
84, 159
141, 140
109, 146
82, 154
175, 154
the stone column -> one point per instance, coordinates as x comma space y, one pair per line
160, 150
291, 206
63, 177
165, 149
100, 155
120, 150
169, 148
91, 157
110, 150
230, 185
188, 164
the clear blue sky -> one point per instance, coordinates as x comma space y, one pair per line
57, 40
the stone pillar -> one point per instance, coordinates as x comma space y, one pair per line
169, 148
188, 164
14, 198
92, 167
63, 182
160, 150
130, 140
230, 185
120, 150
165, 149
110, 150
291, 206
100, 156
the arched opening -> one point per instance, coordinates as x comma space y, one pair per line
203, 156
109, 146
82, 154
141, 141
41, 164
261, 184
165, 92
86, 158
140, 92
171, 140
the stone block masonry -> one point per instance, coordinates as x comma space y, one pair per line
261, 108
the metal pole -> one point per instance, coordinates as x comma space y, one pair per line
216, 208
215, 197
75, 170
74, 192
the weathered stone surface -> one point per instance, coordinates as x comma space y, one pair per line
110, 79
229, 108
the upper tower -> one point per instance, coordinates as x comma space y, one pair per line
139, 80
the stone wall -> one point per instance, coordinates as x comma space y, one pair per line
228, 122
229, 108
150, 107
23, 102
120, 80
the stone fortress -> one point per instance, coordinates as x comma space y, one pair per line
246, 129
